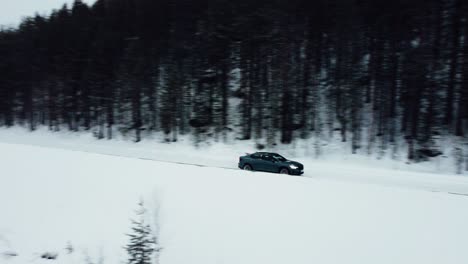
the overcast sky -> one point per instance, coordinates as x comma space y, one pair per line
11, 11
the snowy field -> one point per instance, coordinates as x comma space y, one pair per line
52, 199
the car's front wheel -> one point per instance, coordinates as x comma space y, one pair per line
247, 167
284, 171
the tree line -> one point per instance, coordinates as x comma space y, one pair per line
373, 73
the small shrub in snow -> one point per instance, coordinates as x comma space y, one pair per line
9, 254
69, 248
260, 146
49, 255
143, 243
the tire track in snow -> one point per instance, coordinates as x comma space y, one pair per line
181, 163
123, 156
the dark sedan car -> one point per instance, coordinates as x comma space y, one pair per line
271, 162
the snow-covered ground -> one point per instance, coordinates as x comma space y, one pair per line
335, 153
52, 198
435, 176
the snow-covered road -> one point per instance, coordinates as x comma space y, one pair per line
362, 170
51, 198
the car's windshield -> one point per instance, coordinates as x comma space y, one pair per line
278, 157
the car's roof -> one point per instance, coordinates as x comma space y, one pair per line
272, 153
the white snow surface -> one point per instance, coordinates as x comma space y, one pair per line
51, 198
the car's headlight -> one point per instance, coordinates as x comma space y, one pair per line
292, 166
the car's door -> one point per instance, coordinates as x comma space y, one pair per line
259, 163
256, 161
269, 163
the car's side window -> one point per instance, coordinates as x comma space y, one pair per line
255, 156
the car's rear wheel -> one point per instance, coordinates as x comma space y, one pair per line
284, 171
247, 167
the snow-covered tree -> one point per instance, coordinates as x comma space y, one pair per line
143, 243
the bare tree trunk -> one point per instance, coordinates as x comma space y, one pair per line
453, 64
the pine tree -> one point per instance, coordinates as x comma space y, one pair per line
143, 243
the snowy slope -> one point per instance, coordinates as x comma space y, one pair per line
50, 198
348, 168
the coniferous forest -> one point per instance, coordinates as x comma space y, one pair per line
369, 72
